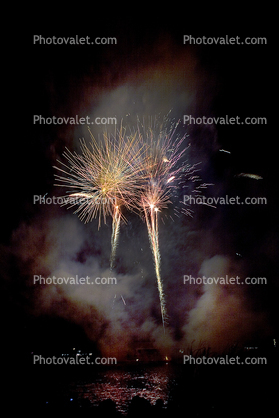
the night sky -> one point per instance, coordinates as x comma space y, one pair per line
149, 72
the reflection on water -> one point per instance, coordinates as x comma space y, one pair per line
121, 385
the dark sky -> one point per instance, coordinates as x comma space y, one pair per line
149, 72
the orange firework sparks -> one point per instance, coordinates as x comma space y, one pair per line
103, 177
103, 180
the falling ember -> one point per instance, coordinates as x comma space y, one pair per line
224, 150
170, 179
250, 176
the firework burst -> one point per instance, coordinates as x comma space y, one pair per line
103, 178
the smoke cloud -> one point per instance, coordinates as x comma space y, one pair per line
221, 317
215, 315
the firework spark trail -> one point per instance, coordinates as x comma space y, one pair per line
114, 242
152, 227
115, 234
160, 165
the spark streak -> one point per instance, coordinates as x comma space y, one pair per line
249, 175
152, 227
115, 234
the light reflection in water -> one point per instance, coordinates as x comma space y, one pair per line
121, 385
